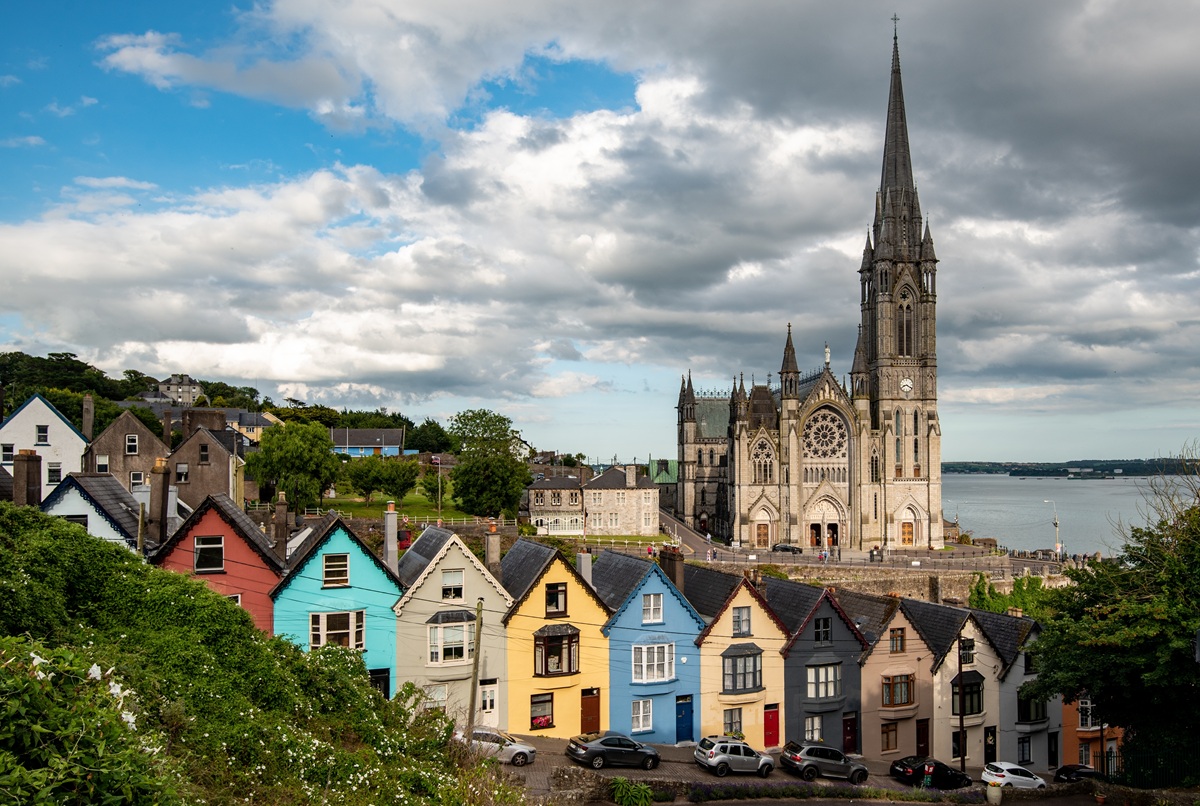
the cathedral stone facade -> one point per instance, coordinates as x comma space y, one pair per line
809, 462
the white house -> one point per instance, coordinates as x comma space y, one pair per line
40, 427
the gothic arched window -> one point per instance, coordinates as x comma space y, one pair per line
763, 459
904, 325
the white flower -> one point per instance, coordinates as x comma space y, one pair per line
114, 688
94, 672
37, 661
40, 675
127, 716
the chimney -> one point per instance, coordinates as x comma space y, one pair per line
166, 421
281, 526
1016, 612
671, 562
583, 564
160, 479
491, 555
89, 416
391, 550
27, 479
630, 475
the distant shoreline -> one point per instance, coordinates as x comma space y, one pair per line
1083, 469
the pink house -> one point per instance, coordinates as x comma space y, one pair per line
222, 546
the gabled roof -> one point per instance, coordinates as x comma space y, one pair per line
937, 624
127, 416
6, 485
557, 483
111, 500
791, 601
428, 550
311, 545
615, 572
527, 562
238, 520
871, 613
230, 441
754, 594
48, 405
827, 596
614, 479
1005, 633
706, 589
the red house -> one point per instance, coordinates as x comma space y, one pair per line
221, 545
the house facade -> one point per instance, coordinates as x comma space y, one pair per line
558, 661
181, 390
38, 426
615, 502
654, 673
338, 592
208, 463
446, 591
127, 449
100, 504
222, 547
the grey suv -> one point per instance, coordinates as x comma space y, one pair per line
723, 754
811, 760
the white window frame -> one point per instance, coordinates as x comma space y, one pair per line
452, 585
205, 543
136, 478
653, 663
42, 435
652, 608
647, 498
614, 519
8, 452
620, 498
102, 463
131, 444
646, 520
446, 641
741, 621
319, 630
597, 499
814, 728
335, 574
487, 698
181, 472
642, 716
731, 721
539, 499
436, 696
54, 474
825, 681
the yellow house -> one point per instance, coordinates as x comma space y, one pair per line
557, 655
741, 668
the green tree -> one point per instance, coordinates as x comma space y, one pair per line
429, 437
483, 431
1028, 595
488, 477
434, 486
365, 475
399, 477
298, 457
1123, 635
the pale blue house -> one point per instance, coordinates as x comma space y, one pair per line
654, 664
338, 592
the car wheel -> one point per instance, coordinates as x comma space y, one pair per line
765, 770
1008, 786
857, 777
519, 760
809, 773
597, 762
1041, 786
722, 770
649, 763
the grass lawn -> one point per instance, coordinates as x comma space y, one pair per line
414, 505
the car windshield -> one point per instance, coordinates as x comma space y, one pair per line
706, 743
505, 737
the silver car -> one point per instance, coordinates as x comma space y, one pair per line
501, 746
723, 755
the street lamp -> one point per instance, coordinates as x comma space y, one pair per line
1058, 547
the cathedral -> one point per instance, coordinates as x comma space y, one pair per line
808, 462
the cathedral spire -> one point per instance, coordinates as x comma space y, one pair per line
789, 354
897, 164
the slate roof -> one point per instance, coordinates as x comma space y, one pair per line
614, 479
111, 500
556, 483
616, 575
1004, 632
366, 437
937, 624
707, 590
791, 601
6, 485
523, 564
237, 519
420, 554
712, 418
871, 613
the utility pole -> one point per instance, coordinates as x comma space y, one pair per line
962, 702
475, 670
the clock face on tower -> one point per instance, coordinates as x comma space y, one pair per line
906, 385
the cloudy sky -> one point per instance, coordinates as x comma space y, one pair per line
555, 209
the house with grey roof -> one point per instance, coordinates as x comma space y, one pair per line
100, 504
449, 598
619, 501
38, 426
127, 449
555, 505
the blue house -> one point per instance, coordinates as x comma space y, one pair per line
654, 664
338, 592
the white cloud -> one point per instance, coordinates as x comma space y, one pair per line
22, 142
9, 80
113, 182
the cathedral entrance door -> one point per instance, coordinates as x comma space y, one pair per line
906, 533
762, 535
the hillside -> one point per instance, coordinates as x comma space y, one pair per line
123, 683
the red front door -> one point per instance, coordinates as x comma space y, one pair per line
589, 711
849, 734
771, 726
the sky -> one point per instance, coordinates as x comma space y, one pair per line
556, 210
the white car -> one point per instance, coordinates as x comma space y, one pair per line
1008, 774
501, 746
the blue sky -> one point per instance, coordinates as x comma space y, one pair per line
555, 210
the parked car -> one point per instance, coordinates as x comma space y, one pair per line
724, 754
788, 547
1071, 773
610, 747
911, 770
810, 760
1008, 774
500, 745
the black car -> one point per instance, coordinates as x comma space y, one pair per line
911, 770
610, 747
1072, 773
788, 547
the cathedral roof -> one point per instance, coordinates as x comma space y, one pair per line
763, 413
712, 418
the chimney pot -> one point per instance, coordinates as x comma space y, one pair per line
27, 479
281, 526
391, 546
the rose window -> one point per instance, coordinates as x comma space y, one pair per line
825, 436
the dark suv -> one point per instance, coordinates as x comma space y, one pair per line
724, 754
788, 547
810, 760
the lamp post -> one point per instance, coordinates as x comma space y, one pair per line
1058, 547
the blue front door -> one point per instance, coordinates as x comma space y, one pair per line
683, 718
